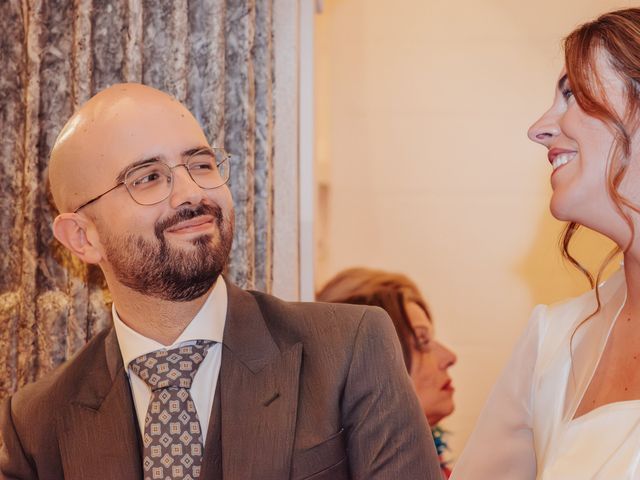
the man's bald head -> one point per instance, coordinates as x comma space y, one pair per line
115, 127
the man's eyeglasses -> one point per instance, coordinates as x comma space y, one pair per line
152, 182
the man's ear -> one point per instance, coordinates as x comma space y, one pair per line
71, 230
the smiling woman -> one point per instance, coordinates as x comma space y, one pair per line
567, 406
578, 139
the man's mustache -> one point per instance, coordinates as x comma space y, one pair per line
187, 214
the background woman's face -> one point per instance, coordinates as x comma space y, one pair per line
579, 147
430, 361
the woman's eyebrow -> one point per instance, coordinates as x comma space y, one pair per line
562, 82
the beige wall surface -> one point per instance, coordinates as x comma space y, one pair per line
424, 167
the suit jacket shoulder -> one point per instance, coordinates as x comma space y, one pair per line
46, 426
316, 322
55, 389
354, 387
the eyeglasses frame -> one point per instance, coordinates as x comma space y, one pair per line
227, 157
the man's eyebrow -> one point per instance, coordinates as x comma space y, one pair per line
200, 149
562, 82
122, 173
186, 153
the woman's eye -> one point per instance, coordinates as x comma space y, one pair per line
422, 344
567, 93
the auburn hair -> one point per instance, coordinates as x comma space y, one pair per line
617, 35
389, 291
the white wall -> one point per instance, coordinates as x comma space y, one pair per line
422, 108
293, 262
286, 227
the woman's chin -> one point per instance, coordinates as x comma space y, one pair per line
435, 417
559, 209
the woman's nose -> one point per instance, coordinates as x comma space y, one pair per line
545, 129
447, 357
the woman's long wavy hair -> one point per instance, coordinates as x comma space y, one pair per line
617, 34
390, 291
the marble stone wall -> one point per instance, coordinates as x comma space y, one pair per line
214, 55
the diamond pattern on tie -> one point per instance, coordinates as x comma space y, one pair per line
172, 436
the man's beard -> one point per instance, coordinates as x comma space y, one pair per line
156, 269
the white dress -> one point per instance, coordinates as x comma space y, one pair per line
527, 429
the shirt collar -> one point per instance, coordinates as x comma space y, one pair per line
208, 324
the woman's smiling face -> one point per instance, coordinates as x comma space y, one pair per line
579, 148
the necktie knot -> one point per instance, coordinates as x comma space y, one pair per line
171, 368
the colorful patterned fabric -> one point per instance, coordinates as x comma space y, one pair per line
441, 447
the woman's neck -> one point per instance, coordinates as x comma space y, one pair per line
632, 276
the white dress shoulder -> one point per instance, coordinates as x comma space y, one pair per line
527, 430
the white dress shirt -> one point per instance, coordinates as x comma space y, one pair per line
208, 324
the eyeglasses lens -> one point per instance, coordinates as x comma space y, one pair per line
207, 170
151, 183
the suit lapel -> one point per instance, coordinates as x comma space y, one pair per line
99, 437
259, 394
212, 458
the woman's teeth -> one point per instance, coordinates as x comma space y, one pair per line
562, 159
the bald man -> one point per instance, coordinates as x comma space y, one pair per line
197, 378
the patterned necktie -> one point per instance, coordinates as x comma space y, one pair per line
172, 436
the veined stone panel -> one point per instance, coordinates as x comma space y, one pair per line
240, 131
263, 185
13, 83
214, 55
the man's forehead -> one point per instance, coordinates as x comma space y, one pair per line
132, 119
120, 125
128, 98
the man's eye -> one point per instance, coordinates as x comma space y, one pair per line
146, 179
201, 166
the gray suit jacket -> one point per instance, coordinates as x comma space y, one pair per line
307, 391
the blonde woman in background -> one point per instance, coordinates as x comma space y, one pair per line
427, 360
567, 405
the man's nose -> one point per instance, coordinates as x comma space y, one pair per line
185, 190
545, 129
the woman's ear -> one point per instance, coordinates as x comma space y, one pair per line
71, 230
